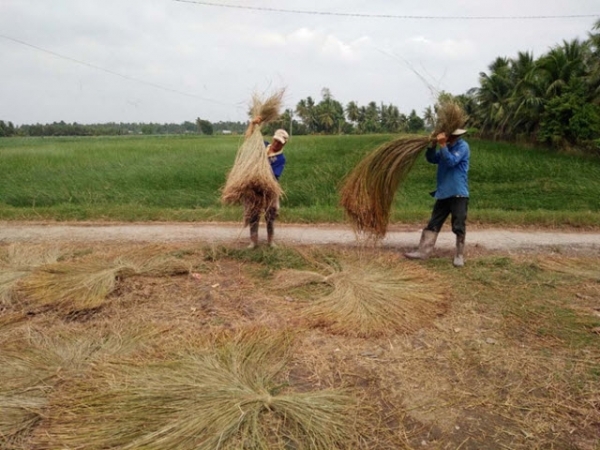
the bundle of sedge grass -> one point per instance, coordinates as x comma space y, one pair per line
371, 297
250, 181
82, 285
31, 369
231, 395
18, 261
368, 191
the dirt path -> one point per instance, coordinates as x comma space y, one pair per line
290, 234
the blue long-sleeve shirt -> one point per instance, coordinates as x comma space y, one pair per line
452, 171
277, 161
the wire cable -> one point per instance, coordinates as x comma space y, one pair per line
386, 16
127, 77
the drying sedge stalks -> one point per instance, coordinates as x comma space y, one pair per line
251, 182
230, 397
371, 298
572, 266
368, 191
17, 261
76, 286
30, 370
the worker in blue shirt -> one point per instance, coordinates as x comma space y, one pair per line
451, 194
274, 152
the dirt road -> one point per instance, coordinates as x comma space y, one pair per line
288, 234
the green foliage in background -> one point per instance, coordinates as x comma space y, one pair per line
179, 178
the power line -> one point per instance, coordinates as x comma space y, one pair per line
386, 16
127, 77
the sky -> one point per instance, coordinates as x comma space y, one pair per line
168, 61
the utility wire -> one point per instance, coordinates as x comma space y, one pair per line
386, 16
127, 77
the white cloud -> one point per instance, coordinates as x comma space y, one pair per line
447, 49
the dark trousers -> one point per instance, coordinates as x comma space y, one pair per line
457, 206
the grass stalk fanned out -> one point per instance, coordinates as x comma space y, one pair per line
250, 181
577, 267
30, 370
76, 286
18, 261
232, 396
370, 298
368, 191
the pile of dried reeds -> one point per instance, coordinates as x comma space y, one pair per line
17, 261
232, 395
368, 191
368, 297
31, 368
251, 182
81, 285
578, 267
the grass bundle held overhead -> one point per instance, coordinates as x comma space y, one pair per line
77, 286
230, 397
368, 191
371, 298
251, 182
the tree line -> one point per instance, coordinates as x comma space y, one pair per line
552, 100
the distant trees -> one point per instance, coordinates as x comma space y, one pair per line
329, 116
554, 99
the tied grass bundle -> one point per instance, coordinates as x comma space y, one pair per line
368, 191
77, 286
233, 395
251, 182
370, 298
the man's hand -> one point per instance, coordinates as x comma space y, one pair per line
442, 139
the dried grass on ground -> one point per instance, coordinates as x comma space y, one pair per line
33, 364
81, 285
371, 297
513, 363
18, 261
231, 395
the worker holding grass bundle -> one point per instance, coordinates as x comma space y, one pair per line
452, 193
274, 153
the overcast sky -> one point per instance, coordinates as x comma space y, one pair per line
91, 61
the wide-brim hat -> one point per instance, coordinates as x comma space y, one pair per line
458, 132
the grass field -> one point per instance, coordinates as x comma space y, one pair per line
179, 178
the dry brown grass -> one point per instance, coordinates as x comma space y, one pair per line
17, 261
513, 363
250, 181
371, 296
79, 285
232, 395
368, 191
578, 267
33, 364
